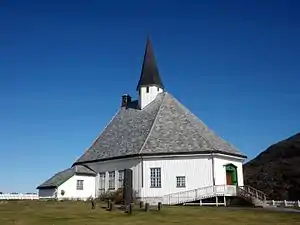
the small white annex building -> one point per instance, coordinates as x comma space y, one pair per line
174, 156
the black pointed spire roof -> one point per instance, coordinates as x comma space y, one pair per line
149, 74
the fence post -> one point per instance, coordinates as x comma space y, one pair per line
273, 202
298, 203
285, 203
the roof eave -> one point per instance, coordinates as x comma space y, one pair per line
85, 174
163, 154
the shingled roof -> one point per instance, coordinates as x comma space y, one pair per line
62, 176
149, 73
164, 126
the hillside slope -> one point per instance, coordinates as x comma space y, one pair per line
276, 171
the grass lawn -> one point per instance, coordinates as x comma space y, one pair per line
80, 213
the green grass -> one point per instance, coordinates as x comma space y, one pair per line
80, 213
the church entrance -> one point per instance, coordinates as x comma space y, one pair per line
231, 174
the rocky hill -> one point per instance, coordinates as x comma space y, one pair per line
276, 171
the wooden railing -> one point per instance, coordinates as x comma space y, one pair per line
249, 192
199, 193
284, 203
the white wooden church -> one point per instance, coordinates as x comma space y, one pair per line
173, 155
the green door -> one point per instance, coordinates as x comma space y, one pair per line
231, 174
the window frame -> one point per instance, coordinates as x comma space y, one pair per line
112, 180
102, 182
180, 181
121, 178
79, 185
155, 177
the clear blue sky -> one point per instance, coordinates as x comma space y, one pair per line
64, 66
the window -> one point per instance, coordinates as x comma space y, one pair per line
147, 89
111, 180
102, 183
121, 178
79, 185
155, 177
180, 181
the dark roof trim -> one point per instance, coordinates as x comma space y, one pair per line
163, 154
46, 187
85, 174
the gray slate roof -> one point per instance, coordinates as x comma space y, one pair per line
165, 126
62, 176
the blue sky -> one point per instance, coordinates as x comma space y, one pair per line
65, 64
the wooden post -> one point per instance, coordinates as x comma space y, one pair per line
141, 204
200, 202
110, 205
285, 203
130, 209
298, 203
146, 207
159, 206
93, 204
224, 200
217, 204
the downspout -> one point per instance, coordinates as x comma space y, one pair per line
213, 168
142, 175
142, 171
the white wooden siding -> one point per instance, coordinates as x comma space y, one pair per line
196, 169
220, 170
116, 165
197, 172
71, 192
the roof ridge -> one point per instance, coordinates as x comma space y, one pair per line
119, 110
154, 121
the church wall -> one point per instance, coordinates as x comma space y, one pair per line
220, 170
196, 170
116, 165
47, 193
71, 191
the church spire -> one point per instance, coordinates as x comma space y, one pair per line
149, 74
150, 84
